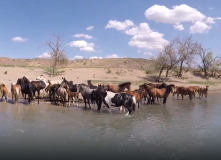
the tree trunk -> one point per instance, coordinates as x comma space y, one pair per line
181, 69
161, 71
167, 72
53, 68
205, 71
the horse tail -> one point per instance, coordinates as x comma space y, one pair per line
134, 99
134, 103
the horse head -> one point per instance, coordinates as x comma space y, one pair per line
24, 79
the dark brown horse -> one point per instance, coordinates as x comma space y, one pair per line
37, 86
118, 88
91, 85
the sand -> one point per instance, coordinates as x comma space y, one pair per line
99, 75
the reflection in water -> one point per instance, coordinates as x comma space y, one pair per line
181, 129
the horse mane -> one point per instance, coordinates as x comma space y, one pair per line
125, 83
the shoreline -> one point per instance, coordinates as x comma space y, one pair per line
100, 75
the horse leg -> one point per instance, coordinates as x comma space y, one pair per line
38, 95
88, 103
69, 103
164, 100
85, 102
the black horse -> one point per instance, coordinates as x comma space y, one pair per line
91, 85
26, 88
72, 87
37, 86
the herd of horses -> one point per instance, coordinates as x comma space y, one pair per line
103, 95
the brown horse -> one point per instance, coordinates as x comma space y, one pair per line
72, 95
158, 86
4, 91
196, 89
159, 93
118, 88
138, 94
16, 91
203, 91
185, 91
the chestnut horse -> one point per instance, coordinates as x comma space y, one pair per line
160, 93
196, 89
138, 94
4, 91
158, 86
203, 91
118, 88
185, 91
16, 91
72, 95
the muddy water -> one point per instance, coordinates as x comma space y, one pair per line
180, 130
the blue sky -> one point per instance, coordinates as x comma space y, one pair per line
124, 28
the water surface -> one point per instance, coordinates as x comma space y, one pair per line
181, 129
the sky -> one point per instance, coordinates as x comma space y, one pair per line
106, 28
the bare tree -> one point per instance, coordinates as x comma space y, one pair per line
207, 60
57, 54
186, 51
160, 63
170, 53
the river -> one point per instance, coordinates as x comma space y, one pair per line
182, 129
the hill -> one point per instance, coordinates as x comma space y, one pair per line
127, 63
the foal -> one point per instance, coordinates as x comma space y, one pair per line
16, 91
203, 91
4, 91
71, 95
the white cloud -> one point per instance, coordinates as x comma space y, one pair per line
78, 57
89, 28
178, 27
199, 27
211, 20
83, 45
211, 8
148, 53
139, 51
83, 35
45, 55
145, 38
95, 57
112, 56
119, 25
19, 39
181, 13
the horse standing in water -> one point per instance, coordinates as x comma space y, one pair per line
26, 88
158, 93
16, 91
37, 86
86, 93
72, 87
4, 91
118, 88
108, 98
